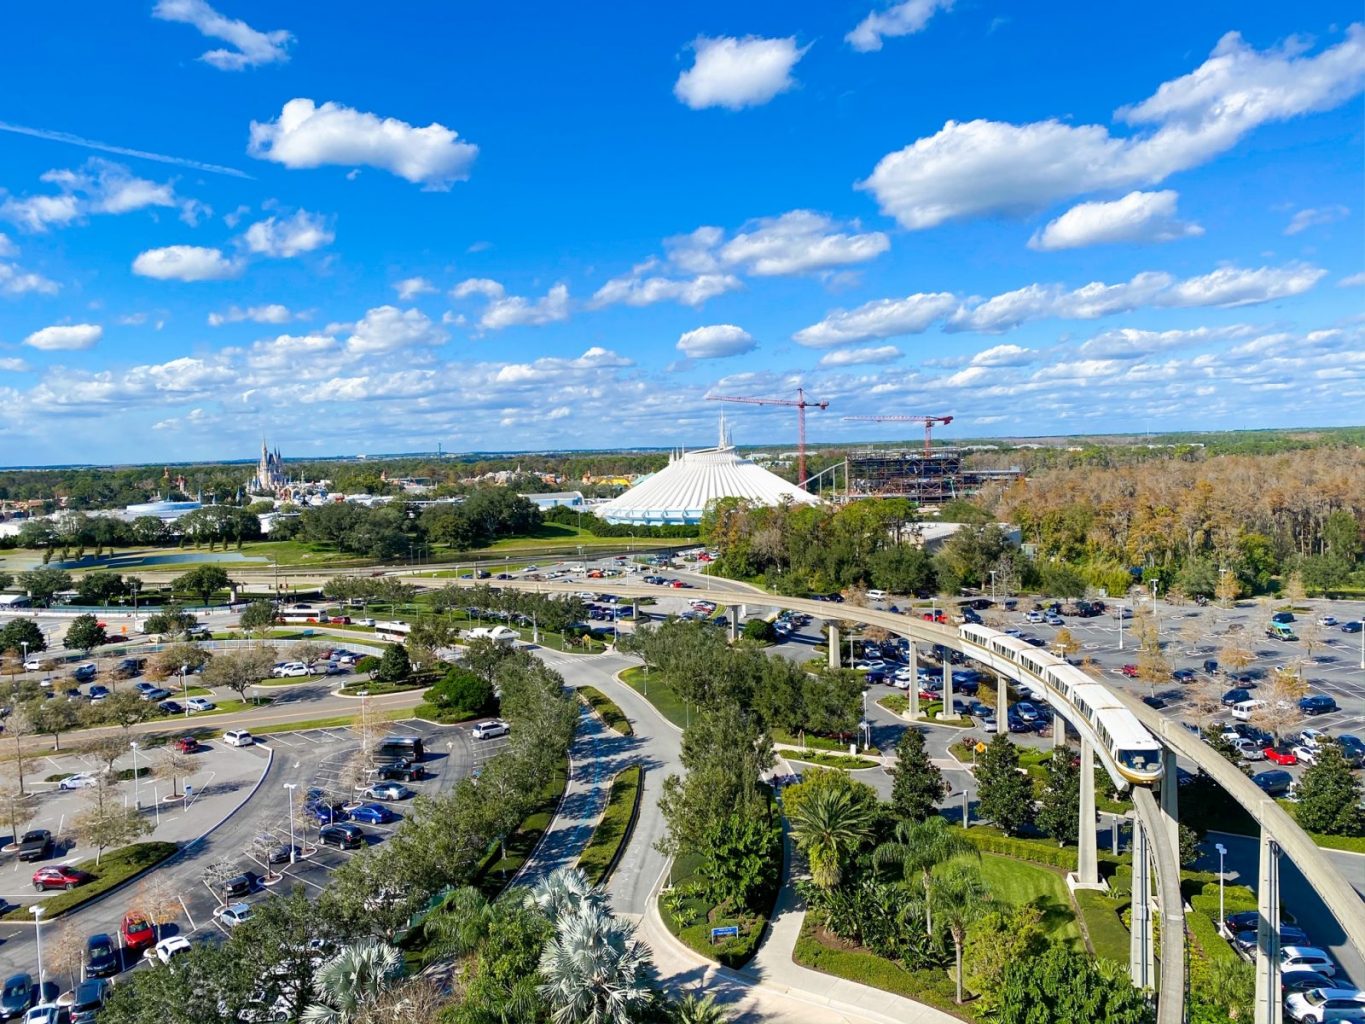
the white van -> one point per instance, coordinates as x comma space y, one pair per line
876, 595
238, 738
1243, 710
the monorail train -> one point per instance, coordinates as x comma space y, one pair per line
1134, 752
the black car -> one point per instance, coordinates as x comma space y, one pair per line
89, 1000
282, 854
1183, 675
1243, 920
1236, 696
1302, 981
343, 836
401, 772
17, 996
237, 885
101, 956
1352, 627
1275, 782
170, 707
35, 844
84, 673
1153, 701
1317, 704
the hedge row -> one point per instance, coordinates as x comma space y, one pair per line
606, 708
1039, 851
1104, 923
613, 831
115, 868
827, 760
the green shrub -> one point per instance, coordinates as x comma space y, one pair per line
1040, 851
613, 831
760, 630
607, 708
394, 666
114, 868
367, 665
462, 691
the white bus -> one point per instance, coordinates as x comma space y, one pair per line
394, 632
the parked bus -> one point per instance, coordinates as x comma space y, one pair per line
393, 632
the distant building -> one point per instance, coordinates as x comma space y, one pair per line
554, 499
270, 478
167, 511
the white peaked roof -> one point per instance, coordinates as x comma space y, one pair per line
680, 492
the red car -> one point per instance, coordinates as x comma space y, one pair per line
935, 617
929, 695
679, 584
1130, 671
60, 877
137, 933
1283, 755
187, 744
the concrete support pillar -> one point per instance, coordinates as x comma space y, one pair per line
743, 612
1002, 701
734, 628
1141, 954
1059, 732
913, 690
1269, 1008
833, 646
1087, 864
1170, 798
947, 684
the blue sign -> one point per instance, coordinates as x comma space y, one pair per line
728, 931
189, 790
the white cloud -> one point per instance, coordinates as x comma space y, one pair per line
12, 365
861, 356
294, 353
389, 329
1233, 286
484, 286
302, 232
737, 73
1305, 219
634, 290
1130, 343
16, 281
273, 313
517, 311
902, 19
98, 187
1005, 355
799, 241
884, 318
1137, 217
307, 135
185, 263
250, 47
716, 342
1352, 280
560, 371
975, 168
411, 287
7, 248
65, 337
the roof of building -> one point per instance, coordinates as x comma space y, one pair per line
681, 491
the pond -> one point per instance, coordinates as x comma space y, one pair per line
147, 559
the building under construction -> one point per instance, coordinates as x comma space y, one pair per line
925, 477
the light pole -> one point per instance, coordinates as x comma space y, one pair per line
291, 787
37, 911
24, 645
1156, 623
1222, 851
137, 779
1120, 614
185, 689
966, 806
992, 586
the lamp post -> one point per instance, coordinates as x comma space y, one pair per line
185, 689
992, 586
1120, 613
966, 806
1222, 851
137, 779
1156, 623
37, 911
291, 786
24, 645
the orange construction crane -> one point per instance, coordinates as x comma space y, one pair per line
928, 422
801, 405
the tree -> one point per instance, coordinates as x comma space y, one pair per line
106, 750
917, 848
17, 808
1229, 588
691, 1008
368, 665
1280, 714
105, 821
124, 708
85, 634
1063, 987
1329, 794
995, 940
595, 969
53, 717
959, 897
172, 620
760, 631
157, 900
66, 952
257, 617
1153, 667
1005, 793
1065, 643
461, 691
741, 860
308, 653
44, 584
1234, 656
829, 828
188, 656
482, 656
238, 670
17, 725
351, 980
22, 634
394, 666
1059, 807
917, 784
203, 581
174, 765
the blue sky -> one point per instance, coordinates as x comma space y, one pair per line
497, 228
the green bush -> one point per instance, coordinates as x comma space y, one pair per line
462, 692
367, 665
1104, 924
760, 630
607, 708
827, 760
1039, 851
446, 716
114, 868
394, 666
613, 831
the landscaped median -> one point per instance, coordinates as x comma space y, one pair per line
606, 708
114, 869
827, 760
504, 860
664, 698
609, 838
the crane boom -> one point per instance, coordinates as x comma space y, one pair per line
928, 422
800, 404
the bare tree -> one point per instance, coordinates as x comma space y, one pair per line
158, 900
1205, 701
17, 807
216, 873
106, 749
259, 850
1065, 643
105, 821
309, 653
240, 670
1280, 714
1229, 588
173, 766
1235, 656
66, 951
1310, 635
18, 725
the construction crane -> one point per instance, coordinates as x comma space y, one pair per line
928, 422
801, 405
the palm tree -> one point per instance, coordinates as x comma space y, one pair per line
919, 847
352, 980
458, 924
695, 1009
829, 826
595, 970
562, 892
959, 898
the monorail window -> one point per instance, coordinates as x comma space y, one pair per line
1140, 760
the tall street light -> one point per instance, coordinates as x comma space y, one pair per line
291, 786
137, 779
37, 911
1222, 851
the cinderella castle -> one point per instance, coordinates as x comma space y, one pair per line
270, 478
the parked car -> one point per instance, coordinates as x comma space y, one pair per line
489, 729
167, 949
1326, 1005
35, 844
101, 956
84, 673
1353, 627
343, 837
58, 877
290, 669
403, 770
80, 780
326, 812
200, 704
156, 693
1281, 754
1235, 696
137, 932
238, 738
1249, 750
1317, 704
1353, 749
1275, 782
88, 1000
98, 693
1282, 617
186, 744
237, 885
282, 853
1183, 675
17, 996
1306, 755
373, 814
233, 914
1327, 620
1129, 671
1309, 957
171, 707
45, 1013
388, 791
1033, 616
1301, 980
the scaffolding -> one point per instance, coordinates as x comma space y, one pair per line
925, 478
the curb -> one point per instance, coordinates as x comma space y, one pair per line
616, 677
597, 715
629, 832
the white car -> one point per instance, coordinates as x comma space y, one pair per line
164, 950
47, 1013
1327, 620
81, 780
487, 730
1313, 738
1033, 616
1307, 958
1306, 755
233, 914
200, 704
238, 738
290, 670
364, 622
1324, 1005
876, 595
33, 664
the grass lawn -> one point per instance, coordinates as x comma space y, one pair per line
1018, 882
826, 760
497, 870
809, 740
374, 689
613, 831
607, 708
114, 868
658, 693
1108, 937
